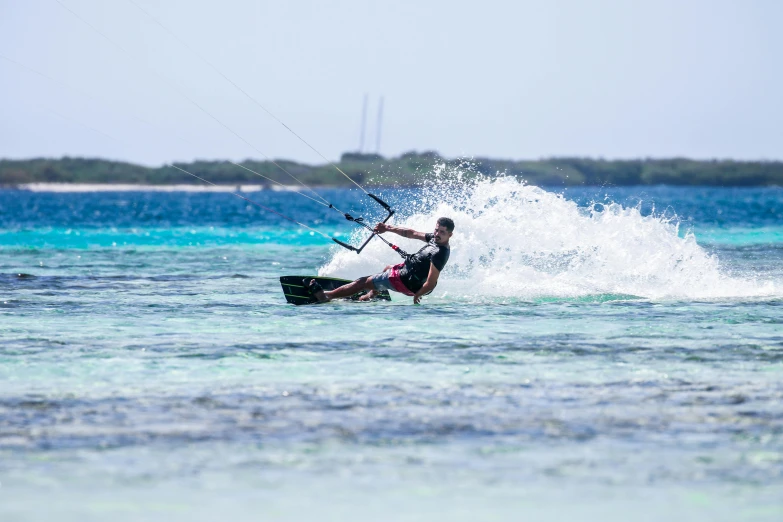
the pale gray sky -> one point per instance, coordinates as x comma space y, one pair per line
507, 79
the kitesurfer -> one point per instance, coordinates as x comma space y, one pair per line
416, 276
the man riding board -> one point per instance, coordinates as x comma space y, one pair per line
416, 276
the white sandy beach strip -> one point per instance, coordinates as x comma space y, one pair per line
111, 187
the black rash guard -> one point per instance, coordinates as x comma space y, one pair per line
417, 267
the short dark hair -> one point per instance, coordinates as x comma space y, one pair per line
446, 222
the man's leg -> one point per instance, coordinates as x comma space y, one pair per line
363, 283
372, 293
369, 295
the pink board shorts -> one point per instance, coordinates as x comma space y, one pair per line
390, 280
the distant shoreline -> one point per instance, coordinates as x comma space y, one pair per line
408, 170
143, 187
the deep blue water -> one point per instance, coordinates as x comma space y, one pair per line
703, 207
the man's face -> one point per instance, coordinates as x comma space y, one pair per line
441, 235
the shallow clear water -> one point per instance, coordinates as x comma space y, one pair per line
605, 354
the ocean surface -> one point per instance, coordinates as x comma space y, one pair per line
595, 353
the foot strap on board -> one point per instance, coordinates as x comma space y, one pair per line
312, 286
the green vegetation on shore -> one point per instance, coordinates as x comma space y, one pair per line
406, 170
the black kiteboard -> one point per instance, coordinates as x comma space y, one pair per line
296, 293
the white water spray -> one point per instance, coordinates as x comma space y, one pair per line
513, 240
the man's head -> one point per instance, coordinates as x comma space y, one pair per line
443, 231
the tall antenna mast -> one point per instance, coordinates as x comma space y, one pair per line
364, 124
380, 126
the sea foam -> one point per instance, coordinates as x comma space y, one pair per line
514, 240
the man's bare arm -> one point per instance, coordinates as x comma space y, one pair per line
380, 228
429, 284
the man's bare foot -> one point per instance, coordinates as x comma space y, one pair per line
369, 295
316, 291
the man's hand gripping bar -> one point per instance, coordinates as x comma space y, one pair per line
360, 222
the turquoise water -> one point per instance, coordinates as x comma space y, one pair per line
602, 354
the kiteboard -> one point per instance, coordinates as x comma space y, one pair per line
297, 293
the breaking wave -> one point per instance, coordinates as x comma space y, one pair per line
520, 241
